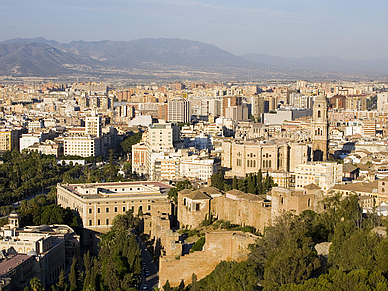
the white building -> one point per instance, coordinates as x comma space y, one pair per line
323, 174
382, 102
83, 146
198, 168
28, 139
93, 126
34, 125
179, 110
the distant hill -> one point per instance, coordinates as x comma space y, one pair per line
323, 63
38, 59
164, 58
40, 56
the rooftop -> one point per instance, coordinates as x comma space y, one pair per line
7, 265
118, 189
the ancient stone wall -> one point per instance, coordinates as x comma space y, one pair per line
219, 246
242, 212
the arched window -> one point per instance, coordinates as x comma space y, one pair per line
319, 113
309, 202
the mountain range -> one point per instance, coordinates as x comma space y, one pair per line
164, 58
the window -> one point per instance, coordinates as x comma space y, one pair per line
184, 201
90, 210
197, 207
98, 222
123, 208
149, 207
319, 113
98, 210
107, 221
107, 209
90, 222
308, 202
115, 209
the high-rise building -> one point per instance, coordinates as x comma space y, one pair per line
179, 110
93, 126
9, 140
229, 101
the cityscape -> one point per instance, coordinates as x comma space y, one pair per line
193, 146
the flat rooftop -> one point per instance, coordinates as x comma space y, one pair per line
118, 189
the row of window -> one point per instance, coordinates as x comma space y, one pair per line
115, 209
98, 222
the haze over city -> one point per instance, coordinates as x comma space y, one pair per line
352, 30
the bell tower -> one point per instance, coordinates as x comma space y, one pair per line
320, 129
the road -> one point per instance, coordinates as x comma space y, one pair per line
153, 279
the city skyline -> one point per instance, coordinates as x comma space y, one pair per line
352, 31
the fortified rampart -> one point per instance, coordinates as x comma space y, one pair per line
219, 246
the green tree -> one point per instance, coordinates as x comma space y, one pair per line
166, 287
61, 285
235, 183
198, 245
127, 144
36, 285
285, 246
73, 276
194, 285
218, 180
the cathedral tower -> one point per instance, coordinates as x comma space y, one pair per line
320, 129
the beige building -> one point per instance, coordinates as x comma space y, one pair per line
244, 157
9, 140
323, 174
139, 158
83, 146
237, 113
99, 203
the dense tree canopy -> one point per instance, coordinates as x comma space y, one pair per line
127, 143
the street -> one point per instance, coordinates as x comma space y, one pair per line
153, 279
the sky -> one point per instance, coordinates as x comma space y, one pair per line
352, 30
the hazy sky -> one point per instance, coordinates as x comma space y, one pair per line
356, 29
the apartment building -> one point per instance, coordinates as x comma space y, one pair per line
83, 146
179, 110
323, 174
9, 140
198, 168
